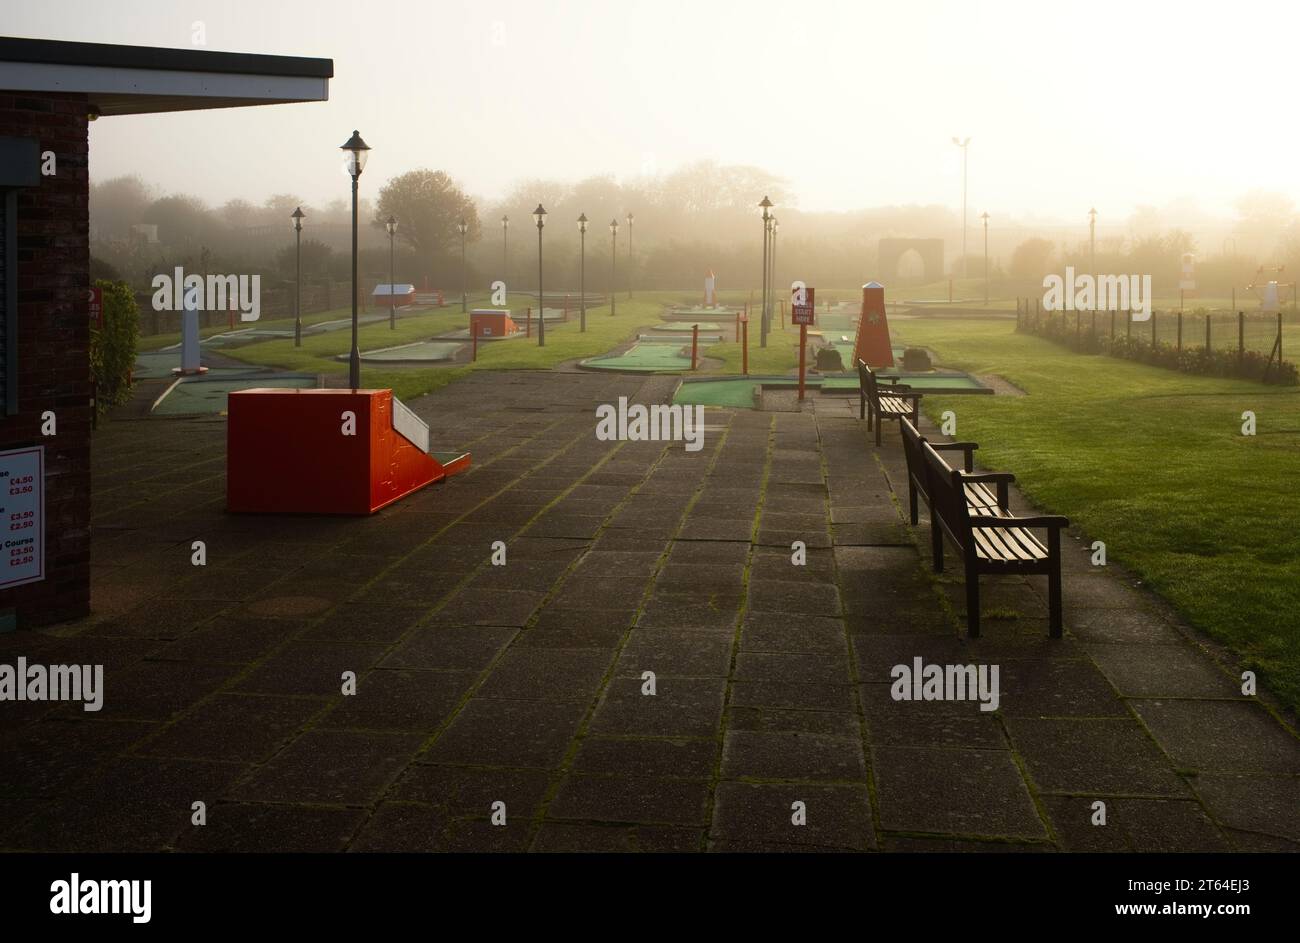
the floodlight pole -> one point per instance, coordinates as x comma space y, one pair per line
985, 217
962, 144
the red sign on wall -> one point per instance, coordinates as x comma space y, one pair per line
97, 306
801, 306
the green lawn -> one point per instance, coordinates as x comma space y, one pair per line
1152, 462
563, 342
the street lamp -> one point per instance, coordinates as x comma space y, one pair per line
1092, 241
505, 248
776, 225
766, 207
962, 144
582, 276
613, 261
462, 228
391, 226
357, 151
539, 214
985, 217
630, 268
297, 217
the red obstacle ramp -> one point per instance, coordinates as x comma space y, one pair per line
327, 452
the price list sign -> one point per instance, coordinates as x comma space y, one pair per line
22, 513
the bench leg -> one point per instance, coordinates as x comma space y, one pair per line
880, 422
862, 408
1054, 583
911, 500
972, 602
936, 542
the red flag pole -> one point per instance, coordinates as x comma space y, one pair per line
695, 344
744, 346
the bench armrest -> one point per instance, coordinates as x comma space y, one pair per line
1051, 521
988, 477
966, 448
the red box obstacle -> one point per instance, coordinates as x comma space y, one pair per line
289, 451
491, 323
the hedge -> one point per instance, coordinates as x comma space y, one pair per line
113, 347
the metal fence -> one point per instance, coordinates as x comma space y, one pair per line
1256, 339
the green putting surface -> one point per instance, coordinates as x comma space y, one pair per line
207, 394
643, 358
417, 352
158, 364
739, 391
703, 326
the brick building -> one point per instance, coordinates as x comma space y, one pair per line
49, 91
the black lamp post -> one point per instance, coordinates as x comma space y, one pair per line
391, 226
776, 226
630, 264
297, 217
357, 151
462, 228
582, 274
539, 214
766, 207
985, 217
505, 248
613, 262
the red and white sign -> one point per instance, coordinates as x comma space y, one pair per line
802, 307
22, 511
97, 306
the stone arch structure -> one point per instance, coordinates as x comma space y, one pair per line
891, 250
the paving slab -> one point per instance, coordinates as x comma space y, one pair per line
523, 683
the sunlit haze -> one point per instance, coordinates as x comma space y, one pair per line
1068, 106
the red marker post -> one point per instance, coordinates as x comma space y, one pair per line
802, 308
695, 343
744, 342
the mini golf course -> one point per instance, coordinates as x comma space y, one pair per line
648, 355
739, 392
430, 351
206, 394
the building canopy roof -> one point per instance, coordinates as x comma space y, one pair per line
134, 80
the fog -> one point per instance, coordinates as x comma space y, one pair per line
1162, 118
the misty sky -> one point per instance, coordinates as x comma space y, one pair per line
855, 103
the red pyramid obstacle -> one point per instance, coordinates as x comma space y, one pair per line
872, 344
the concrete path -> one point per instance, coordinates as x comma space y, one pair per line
526, 684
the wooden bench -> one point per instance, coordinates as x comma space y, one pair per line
878, 403
980, 498
990, 544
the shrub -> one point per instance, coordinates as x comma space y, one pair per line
113, 347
